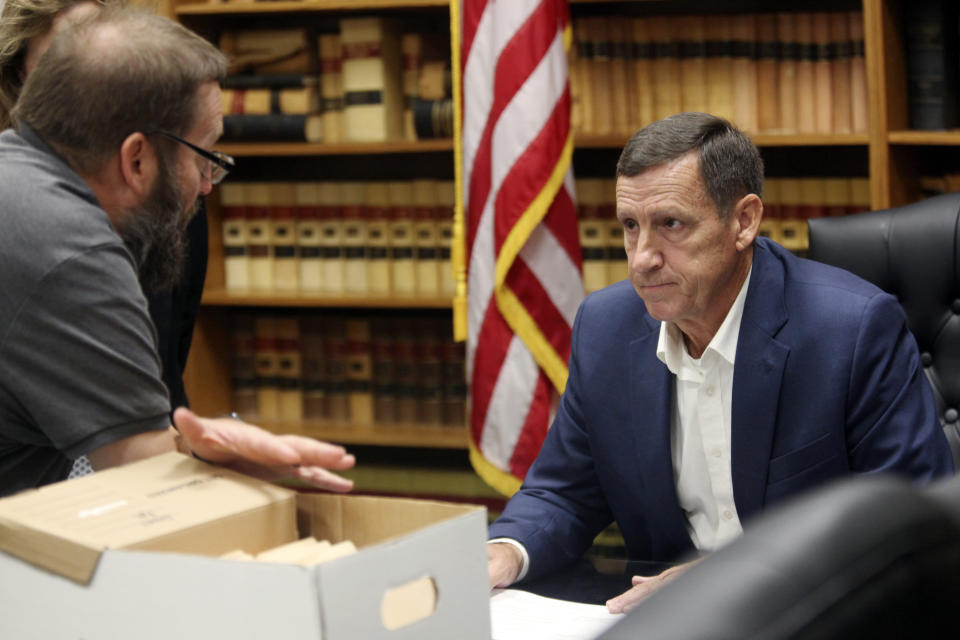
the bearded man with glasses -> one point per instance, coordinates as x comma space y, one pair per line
98, 181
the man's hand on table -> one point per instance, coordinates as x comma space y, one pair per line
643, 586
254, 451
504, 562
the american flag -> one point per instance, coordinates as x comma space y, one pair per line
522, 252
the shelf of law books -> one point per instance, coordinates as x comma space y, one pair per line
789, 74
348, 243
350, 377
339, 112
329, 82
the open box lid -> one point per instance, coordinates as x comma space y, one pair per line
169, 502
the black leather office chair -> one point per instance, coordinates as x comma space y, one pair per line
866, 557
911, 252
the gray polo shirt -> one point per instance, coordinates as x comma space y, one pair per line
78, 358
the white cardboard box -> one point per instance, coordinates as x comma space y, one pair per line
149, 594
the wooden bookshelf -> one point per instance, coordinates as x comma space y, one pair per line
589, 141
300, 6
887, 153
925, 138
213, 296
277, 149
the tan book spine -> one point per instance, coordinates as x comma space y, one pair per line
593, 237
268, 368
720, 66
446, 199
585, 68
290, 371
433, 79
331, 237
243, 366
770, 222
792, 224
616, 252
692, 50
402, 258
744, 33
309, 249
667, 95
411, 45
283, 215
335, 343
354, 239
245, 101
384, 380
331, 87
234, 227
373, 94
840, 72
259, 235
359, 371
768, 74
425, 234
806, 75
600, 83
859, 115
643, 105
377, 205
787, 72
823, 73
621, 78
836, 196
300, 100
860, 195
314, 366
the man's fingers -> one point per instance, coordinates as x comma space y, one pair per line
320, 477
316, 453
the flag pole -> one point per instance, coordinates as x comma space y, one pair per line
458, 251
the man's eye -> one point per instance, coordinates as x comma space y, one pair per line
672, 223
629, 224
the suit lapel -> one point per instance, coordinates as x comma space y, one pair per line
758, 373
651, 401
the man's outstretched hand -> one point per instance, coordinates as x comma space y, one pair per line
259, 453
643, 586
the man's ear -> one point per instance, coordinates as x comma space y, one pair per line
138, 164
747, 213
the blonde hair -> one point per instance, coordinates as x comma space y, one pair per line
20, 22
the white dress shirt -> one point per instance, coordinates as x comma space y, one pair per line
700, 428
699, 431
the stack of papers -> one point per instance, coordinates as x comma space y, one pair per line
519, 615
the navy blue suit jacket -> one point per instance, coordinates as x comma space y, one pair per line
827, 381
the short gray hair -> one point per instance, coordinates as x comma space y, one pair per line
730, 164
115, 73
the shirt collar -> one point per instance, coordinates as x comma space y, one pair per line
671, 350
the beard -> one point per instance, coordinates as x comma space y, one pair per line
155, 233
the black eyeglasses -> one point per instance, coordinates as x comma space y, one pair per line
220, 163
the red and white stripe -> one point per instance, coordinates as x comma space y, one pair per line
516, 121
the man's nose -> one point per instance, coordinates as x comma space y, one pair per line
645, 254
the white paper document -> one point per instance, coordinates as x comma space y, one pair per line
519, 615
